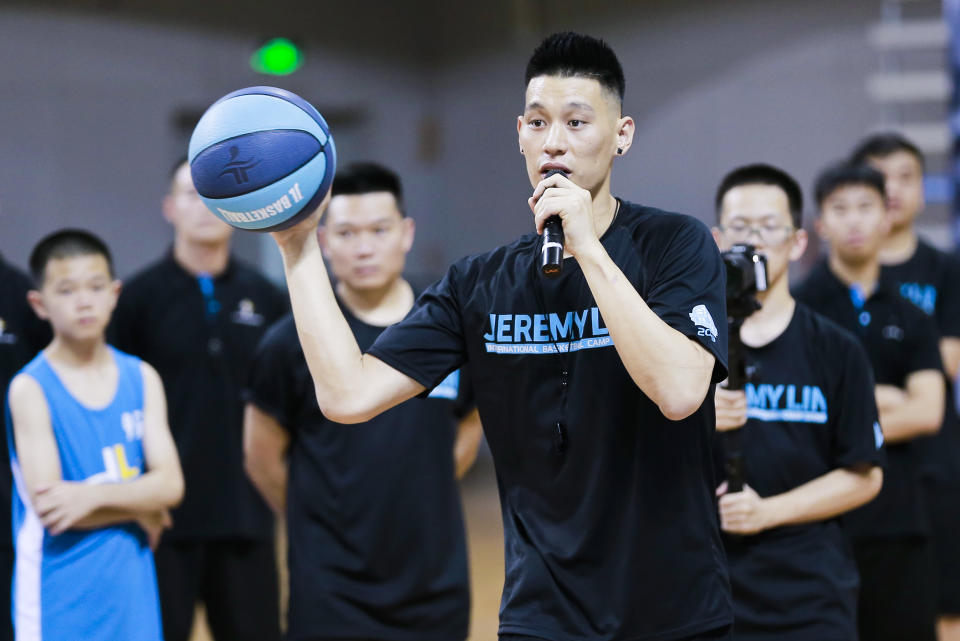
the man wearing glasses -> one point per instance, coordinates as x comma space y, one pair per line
811, 443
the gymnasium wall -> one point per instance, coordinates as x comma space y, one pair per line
93, 107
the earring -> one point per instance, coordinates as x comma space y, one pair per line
521, 151
619, 151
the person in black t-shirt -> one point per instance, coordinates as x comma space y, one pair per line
196, 316
810, 437
594, 387
22, 335
890, 535
928, 278
349, 485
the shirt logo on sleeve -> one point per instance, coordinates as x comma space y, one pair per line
786, 403
877, 434
704, 321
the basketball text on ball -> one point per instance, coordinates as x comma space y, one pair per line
262, 158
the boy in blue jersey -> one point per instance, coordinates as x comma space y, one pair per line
93, 462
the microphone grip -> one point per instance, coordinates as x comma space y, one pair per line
551, 252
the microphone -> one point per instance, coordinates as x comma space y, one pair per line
551, 251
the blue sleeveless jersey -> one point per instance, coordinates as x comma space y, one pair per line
86, 584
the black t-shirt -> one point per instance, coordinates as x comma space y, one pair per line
930, 279
22, 335
608, 510
202, 345
810, 410
899, 340
377, 547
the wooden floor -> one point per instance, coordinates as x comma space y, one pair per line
485, 539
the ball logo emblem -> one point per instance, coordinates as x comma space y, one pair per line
239, 168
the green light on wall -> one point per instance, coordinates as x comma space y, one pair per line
277, 57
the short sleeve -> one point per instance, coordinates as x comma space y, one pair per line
856, 437
689, 288
428, 344
948, 303
272, 384
924, 340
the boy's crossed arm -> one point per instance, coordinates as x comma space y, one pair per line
63, 505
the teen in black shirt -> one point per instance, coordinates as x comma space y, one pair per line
376, 542
811, 444
891, 534
594, 387
196, 316
929, 279
22, 335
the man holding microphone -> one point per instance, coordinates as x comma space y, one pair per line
594, 386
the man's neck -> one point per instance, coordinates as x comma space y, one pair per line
864, 275
773, 318
72, 354
899, 246
201, 258
605, 208
379, 307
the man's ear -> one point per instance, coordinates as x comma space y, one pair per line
409, 232
35, 299
625, 130
800, 241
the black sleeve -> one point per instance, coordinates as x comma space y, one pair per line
272, 383
428, 344
924, 342
948, 303
856, 436
688, 291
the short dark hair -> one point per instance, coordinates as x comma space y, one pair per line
845, 174
66, 243
762, 174
367, 177
882, 145
571, 54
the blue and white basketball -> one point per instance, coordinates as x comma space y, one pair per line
262, 158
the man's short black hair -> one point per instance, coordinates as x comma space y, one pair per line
762, 174
66, 243
846, 174
570, 54
882, 145
365, 178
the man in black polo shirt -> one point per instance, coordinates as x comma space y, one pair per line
22, 335
891, 534
930, 279
810, 438
196, 316
594, 387
350, 485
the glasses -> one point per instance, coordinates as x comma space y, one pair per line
768, 234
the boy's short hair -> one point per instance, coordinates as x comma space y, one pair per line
571, 54
366, 178
882, 145
845, 174
66, 243
763, 174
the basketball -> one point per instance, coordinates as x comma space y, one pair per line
262, 158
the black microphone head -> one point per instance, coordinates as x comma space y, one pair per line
554, 172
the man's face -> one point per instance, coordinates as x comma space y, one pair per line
854, 220
903, 177
759, 215
366, 239
571, 124
190, 218
77, 296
